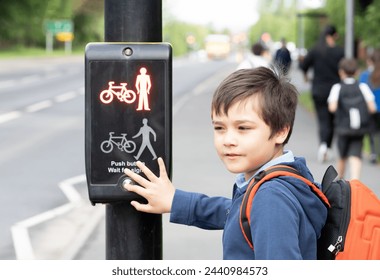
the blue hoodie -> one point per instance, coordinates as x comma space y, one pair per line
286, 218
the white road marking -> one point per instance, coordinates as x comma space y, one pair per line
52, 75
68, 189
198, 90
6, 117
65, 97
10, 116
180, 103
30, 78
39, 106
20, 231
8, 83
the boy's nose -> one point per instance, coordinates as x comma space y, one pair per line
230, 139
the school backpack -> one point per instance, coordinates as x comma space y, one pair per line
352, 228
352, 116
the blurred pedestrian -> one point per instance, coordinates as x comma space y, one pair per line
282, 58
256, 58
353, 103
371, 76
323, 58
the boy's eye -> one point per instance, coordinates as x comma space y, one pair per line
244, 127
218, 127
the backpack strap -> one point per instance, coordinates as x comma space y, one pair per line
254, 185
329, 176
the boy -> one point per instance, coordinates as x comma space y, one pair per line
252, 113
257, 58
351, 102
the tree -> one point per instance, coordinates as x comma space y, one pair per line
278, 18
366, 19
177, 33
22, 21
88, 21
368, 25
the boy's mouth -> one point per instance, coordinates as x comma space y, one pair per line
231, 155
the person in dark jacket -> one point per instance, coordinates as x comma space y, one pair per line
253, 112
323, 58
283, 58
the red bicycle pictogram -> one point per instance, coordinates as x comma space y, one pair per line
120, 91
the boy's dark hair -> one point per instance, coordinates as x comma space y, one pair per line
257, 49
277, 96
330, 30
349, 66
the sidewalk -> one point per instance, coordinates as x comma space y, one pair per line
181, 242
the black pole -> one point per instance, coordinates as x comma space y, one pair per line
133, 20
132, 235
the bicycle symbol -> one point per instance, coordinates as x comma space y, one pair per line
121, 92
121, 142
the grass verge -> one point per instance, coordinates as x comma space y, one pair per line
18, 51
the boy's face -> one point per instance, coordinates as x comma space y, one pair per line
242, 138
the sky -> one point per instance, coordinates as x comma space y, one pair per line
237, 15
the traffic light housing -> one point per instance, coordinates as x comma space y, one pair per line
128, 114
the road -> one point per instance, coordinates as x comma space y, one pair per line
45, 212
42, 143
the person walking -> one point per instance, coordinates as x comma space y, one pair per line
282, 58
371, 76
256, 58
352, 103
323, 58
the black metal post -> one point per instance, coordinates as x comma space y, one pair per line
133, 20
131, 235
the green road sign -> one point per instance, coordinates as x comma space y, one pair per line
58, 26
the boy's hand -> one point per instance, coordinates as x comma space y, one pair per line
158, 191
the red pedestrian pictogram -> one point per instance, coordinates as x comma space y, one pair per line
143, 85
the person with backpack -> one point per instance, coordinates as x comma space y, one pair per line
323, 59
352, 103
283, 58
252, 112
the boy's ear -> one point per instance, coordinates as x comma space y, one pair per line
282, 135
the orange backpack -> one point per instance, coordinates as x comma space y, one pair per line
352, 228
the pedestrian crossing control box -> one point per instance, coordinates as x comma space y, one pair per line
128, 114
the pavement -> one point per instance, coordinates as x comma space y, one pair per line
79, 232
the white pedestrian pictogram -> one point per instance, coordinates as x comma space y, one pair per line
145, 132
